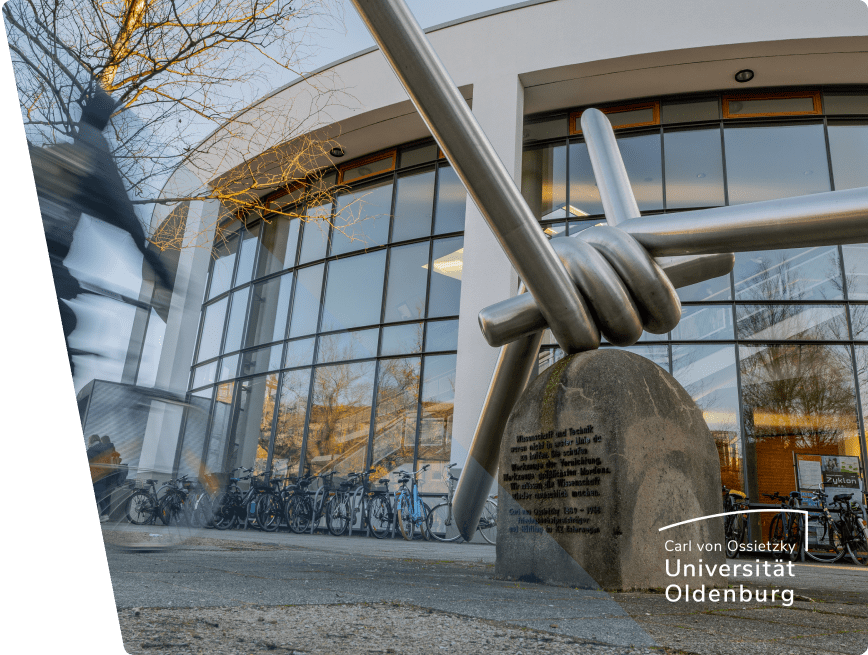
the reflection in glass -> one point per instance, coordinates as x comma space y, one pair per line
548, 357
715, 289
544, 181
442, 335
708, 374
195, 429
794, 274
694, 168
584, 195
368, 168
408, 280
792, 322
740, 107
222, 266
299, 353
305, 304
796, 398
402, 339
261, 360
205, 374
657, 354
859, 322
438, 403
694, 110
340, 418
397, 403
215, 460
354, 291
254, 412
228, 368
344, 346
861, 356
279, 243
710, 323
764, 163
555, 230
248, 255
414, 204
643, 161
362, 219
237, 314
315, 234
291, 416
447, 263
212, 330
269, 310
419, 155
451, 202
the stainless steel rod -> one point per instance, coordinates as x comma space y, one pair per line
489, 184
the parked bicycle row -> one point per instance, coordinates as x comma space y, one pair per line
835, 526
356, 504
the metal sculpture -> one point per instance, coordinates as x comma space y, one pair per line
618, 279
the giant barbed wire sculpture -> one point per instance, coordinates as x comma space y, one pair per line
616, 279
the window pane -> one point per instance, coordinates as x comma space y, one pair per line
248, 255
397, 402
584, 195
715, 289
696, 110
420, 155
299, 353
451, 202
764, 163
643, 161
414, 204
438, 402
212, 330
305, 304
659, 354
340, 418
362, 219
848, 144
547, 129
711, 323
354, 291
367, 169
694, 169
253, 417
448, 261
442, 335
555, 230
846, 103
402, 339
315, 234
215, 460
408, 280
279, 243
344, 346
796, 398
771, 106
237, 313
544, 181
708, 374
195, 430
269, 310
795, 274
222, 266
797, 322
859, 322
228, 367
291, 416
205, 374
262, 360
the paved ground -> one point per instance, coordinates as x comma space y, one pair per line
322, 594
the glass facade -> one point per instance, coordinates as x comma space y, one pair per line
329, 344
775, 354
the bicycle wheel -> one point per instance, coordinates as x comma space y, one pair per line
828, 547
857, 547
141, 509
224, 511
338, 514
795, 538
404, 512
171, 509
268, 512
379, 515
776, 530
441, 524
488, 522
298, 513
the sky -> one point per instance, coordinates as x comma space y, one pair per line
106, 257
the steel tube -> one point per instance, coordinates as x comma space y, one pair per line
476, 162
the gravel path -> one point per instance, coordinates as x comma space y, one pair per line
337, 630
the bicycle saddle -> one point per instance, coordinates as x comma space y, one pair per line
841, 498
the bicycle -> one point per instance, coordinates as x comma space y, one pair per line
828, 546
786, 527
412, 513
853, 530
734, 525
381, 516
488, 521
173, 505
339, 509
143, 505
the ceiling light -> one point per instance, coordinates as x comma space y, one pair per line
337, 151
745, 75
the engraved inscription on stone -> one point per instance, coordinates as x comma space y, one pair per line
567, 464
